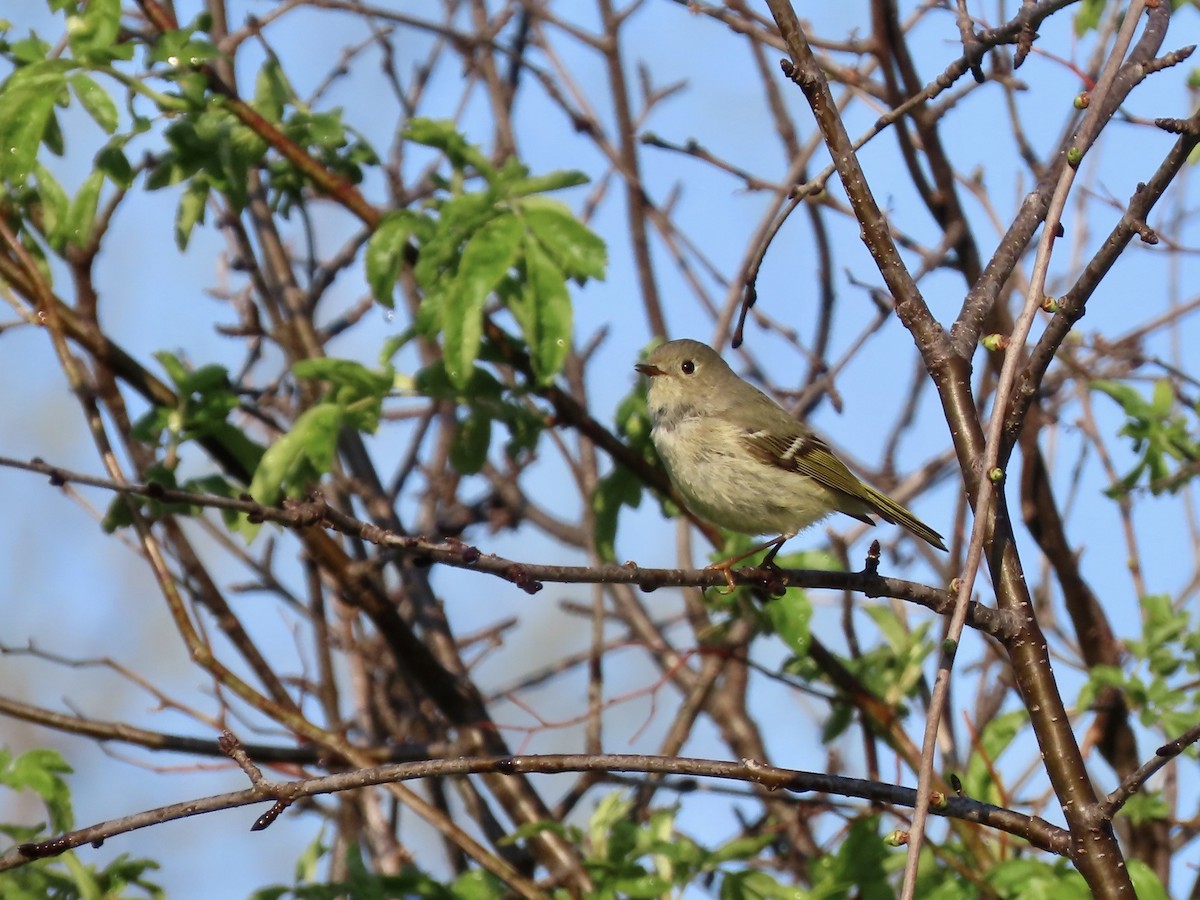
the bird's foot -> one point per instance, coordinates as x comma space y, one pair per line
726, 569
773, 579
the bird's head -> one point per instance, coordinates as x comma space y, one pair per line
684, 374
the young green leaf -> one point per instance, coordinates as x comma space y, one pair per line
112, 161
82, 215
299, 457
55, 205
442, 134
543, 310
551, 181
618, 488
39, 770
96, 100
26, 111
790, 615
358, 380
272, 92
979, 781
487, 257
385, 251
190, 212
93, 34
472, 437
570, 243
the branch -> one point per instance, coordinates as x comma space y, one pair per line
1038, 832
1070, 308
1131, 785
299, 514
964, 334
121, 732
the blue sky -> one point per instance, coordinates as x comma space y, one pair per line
75, 591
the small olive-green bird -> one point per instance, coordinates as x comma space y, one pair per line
739, 460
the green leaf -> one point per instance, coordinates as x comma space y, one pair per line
206, 380
442, 134
472, 438
1162, 399
172, 365
300, 457
272, 92
93, 35
55, 205
457, 220
430, 315
1160, 434
571, 244
790, 615
1129, 399
97, 102
182, 49
434, 382
112, 161
753, 884
192, 204
82, 216
543, 310
1033, 879
1145, 883
618, 488
325, 129
1088, 16
29, 50
39, 771
820, 560
26, 113
1146, 806
740, 848
385, 252
359, 391
979, 782
858, 863
551, 181
477, 885
646, 886
841, 716
612, 810
486, 259
354, 380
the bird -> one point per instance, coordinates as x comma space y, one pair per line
742, 462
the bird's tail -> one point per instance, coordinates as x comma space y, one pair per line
893, 512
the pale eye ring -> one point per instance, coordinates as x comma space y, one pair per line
688, 367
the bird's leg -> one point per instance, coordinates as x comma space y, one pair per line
769, 559
726, 566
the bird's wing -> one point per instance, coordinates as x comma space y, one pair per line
802, 452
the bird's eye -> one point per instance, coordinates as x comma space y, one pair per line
688, 367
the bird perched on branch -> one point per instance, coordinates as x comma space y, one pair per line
739, 460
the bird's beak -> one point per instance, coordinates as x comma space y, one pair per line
648, 370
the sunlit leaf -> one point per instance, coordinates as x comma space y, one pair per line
82, 215
487, 257
543, 310
299, 457
571, 244
97, 101
192, 204
385, 251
